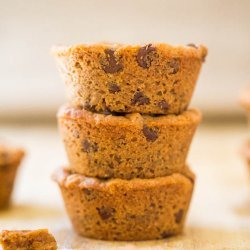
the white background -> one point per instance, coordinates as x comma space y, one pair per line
30, 84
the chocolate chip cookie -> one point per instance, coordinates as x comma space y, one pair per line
39, 239
137, 209
126, 146
149, 79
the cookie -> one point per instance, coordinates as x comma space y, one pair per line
128, 146
10, 159
150, 79
39, 239
116, 209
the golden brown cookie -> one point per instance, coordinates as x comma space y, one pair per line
116, 209
10, 159
128, 146
39, 239
150, 79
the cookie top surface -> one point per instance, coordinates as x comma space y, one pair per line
189, 50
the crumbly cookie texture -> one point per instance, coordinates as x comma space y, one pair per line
150, 79
129, 146
39, 239
10, 159
116, 209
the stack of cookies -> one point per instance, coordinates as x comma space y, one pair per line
127, 131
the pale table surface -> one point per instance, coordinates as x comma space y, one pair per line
219, 216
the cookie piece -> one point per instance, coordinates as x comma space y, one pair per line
39, 239
116, 209
150, 79
128, 146
10, 159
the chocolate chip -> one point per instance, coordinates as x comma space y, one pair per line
105, 212
163, 105
192, 45
89, 107
178, 216
111, 64
89, 147
151, 134
140, 99
113, 88
174, 65
145, 56
86, 146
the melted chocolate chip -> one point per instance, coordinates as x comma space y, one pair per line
89, 147
89, 107
192, 45
140, 99
118, 114
178, 216
174, 65
86, 146
112, 63
163, 105
113, 88
151, 134
105, 212
145, 56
